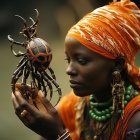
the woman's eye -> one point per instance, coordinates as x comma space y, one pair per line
82, 61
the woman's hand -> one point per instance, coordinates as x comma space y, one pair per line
42, 119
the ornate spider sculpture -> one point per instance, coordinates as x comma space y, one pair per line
34, 62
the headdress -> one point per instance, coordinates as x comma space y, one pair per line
112, 31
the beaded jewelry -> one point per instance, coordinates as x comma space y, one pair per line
106, 110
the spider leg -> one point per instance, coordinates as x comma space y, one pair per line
32, 20
18, 43
37, 76
18, 72
33, 95
24, 31
55, 83
43, 86
37, 19
25, 74
17, 54
52, 72
15, 42
22, 60
24, 21
36, 81
48, 84
39, 80
32, 28
33, 76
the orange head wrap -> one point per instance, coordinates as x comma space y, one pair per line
112, 31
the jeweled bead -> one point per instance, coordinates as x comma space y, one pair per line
129, 87
136, 93
103, 118
103, 112
125, 102
107, 109
108, 115
119, 111
127, 97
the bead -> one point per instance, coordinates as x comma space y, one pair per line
125, 102
128, 91
97, 112
103, 118
119, 111
136, 93
110, 108
107, 111
103, 112
108, 116
127, 97
96, 117
129, 87
99, 119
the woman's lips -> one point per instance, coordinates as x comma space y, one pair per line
75, 84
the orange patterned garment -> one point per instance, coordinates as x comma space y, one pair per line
67, 112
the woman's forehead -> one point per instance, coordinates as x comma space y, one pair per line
74, 47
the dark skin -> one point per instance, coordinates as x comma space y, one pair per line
92, 72
89, 73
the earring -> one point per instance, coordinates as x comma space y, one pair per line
118, 91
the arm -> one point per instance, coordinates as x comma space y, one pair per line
133, 130
47, 125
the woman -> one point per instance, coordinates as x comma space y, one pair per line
104, 104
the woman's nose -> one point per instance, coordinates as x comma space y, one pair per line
71, 70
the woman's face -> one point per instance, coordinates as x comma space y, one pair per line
89, 73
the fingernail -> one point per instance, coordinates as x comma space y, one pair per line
40, 93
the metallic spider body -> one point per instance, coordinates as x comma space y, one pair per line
34, 62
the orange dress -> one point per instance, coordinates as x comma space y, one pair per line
67, 111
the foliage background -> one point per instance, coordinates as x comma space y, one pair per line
56, 17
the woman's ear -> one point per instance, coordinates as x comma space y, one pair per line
119, 64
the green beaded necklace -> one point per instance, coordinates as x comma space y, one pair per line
106, 112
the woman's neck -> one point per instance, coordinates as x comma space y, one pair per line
103, 96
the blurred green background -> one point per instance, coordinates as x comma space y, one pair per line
56, 17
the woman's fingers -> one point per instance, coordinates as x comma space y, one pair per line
16, 105
49, 107
27, 112
22, 114
21, 104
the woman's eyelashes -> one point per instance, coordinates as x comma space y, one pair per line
82, 60
78, 59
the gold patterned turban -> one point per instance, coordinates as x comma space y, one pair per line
112, 31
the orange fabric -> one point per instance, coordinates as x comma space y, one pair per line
66, 109
67, 113
112, 31
132, 107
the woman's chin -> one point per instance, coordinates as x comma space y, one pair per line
81, 93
